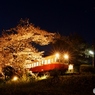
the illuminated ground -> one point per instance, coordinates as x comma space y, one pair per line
64, 85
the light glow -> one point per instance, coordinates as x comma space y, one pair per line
66, 56
91, 52
15, 78
43, 77
48, 61
70, 67
57, 55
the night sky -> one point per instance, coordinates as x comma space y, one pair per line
63, 16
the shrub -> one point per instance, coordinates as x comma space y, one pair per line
87, 69
8, 72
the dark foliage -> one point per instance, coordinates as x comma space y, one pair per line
87, 69
8, 72
74, 45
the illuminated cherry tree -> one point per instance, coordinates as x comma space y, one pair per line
16, 44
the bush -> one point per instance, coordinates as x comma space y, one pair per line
8, 72
77, 68
87, 69
55, 73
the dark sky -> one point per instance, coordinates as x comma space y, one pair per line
63, 16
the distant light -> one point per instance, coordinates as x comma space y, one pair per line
91, 52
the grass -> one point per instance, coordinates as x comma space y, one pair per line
64, 85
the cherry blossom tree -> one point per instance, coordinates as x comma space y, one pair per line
16, 44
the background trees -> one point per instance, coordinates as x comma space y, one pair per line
75, 46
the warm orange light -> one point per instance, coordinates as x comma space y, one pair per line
43, 77
15, 78
57, 55
66, 56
